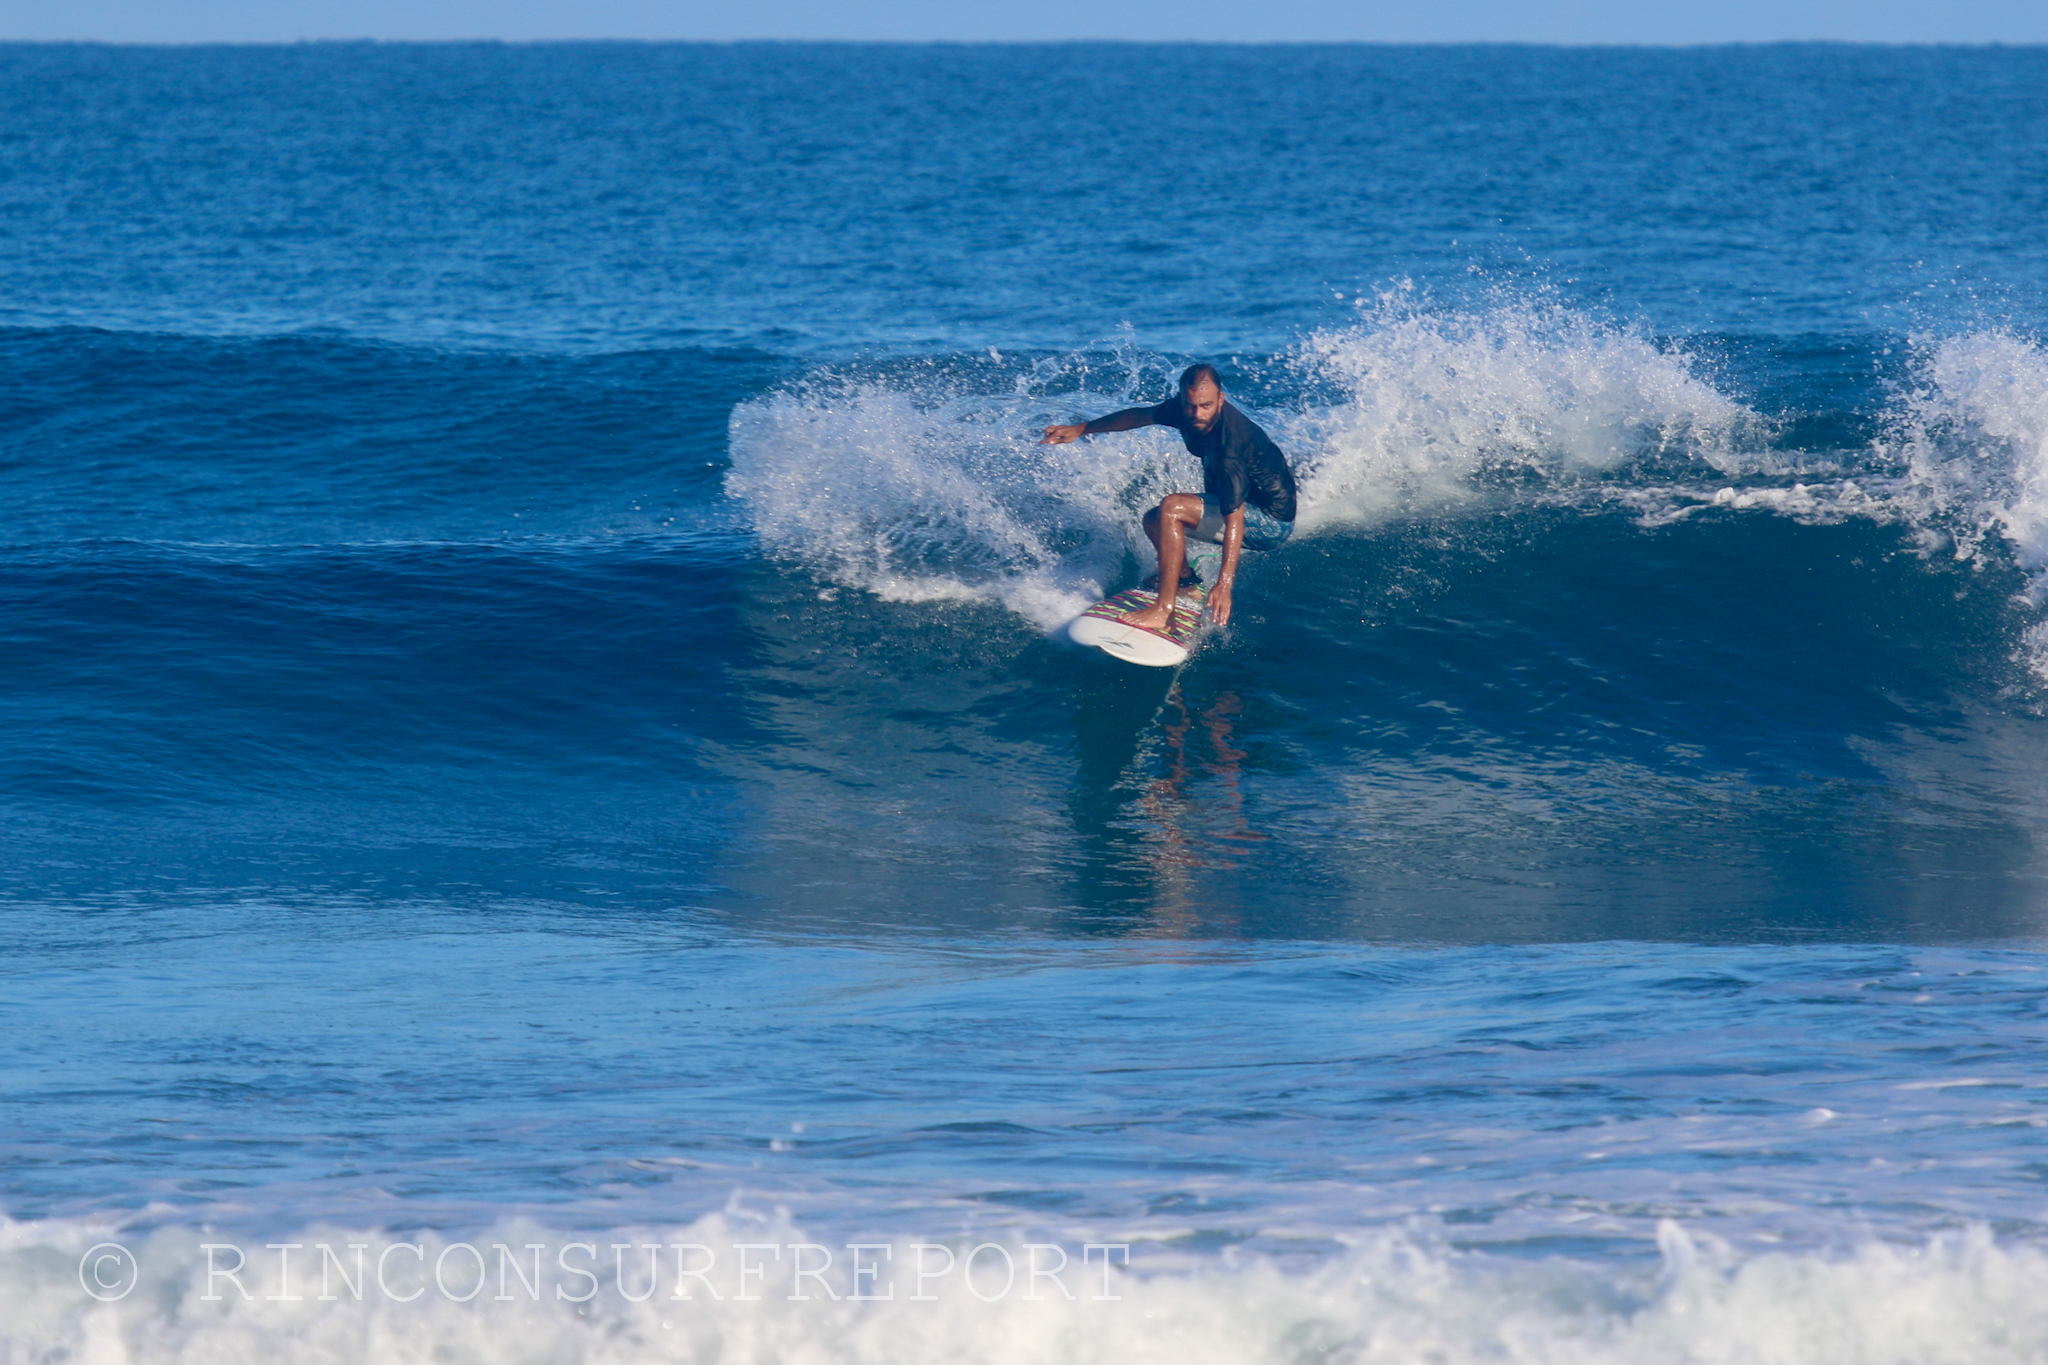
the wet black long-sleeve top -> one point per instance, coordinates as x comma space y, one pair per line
1240, 462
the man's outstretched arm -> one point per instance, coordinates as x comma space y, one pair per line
1129, 419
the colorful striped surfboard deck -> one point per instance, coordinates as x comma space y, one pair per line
1103, 627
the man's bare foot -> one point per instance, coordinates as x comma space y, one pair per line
1155, 617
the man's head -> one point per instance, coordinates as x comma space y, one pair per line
1201, 395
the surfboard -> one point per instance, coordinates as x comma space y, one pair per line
1103, 627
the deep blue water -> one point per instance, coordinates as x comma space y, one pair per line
531, 706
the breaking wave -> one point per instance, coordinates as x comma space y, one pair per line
922, 480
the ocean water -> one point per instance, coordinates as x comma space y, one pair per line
546, 817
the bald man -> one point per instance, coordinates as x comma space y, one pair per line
1247, 497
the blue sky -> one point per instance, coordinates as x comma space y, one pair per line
1561, 21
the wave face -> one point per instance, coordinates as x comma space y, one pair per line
532, 708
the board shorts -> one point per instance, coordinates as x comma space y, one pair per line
1261, 532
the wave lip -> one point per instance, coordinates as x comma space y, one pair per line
1426, 408
1972, 433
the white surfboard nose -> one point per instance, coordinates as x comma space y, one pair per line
1128, 643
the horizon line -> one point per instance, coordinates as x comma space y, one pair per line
1577, 44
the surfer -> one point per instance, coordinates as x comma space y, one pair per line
1247, 497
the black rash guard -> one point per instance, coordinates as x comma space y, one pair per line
1240, 463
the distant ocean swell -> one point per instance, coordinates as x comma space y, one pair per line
550, 1296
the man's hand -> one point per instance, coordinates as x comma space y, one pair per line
1218, 603
1061, 435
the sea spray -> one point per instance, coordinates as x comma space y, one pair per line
1425, 407
921, 487
1972, 433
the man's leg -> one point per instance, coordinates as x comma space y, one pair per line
1167, 526
1187, 572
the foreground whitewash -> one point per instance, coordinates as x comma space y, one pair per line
1391, 1298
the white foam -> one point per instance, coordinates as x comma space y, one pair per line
1434, 406
1407, 1296
1973, 434
918, 489
1820, 502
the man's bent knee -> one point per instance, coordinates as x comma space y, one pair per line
1185, 507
